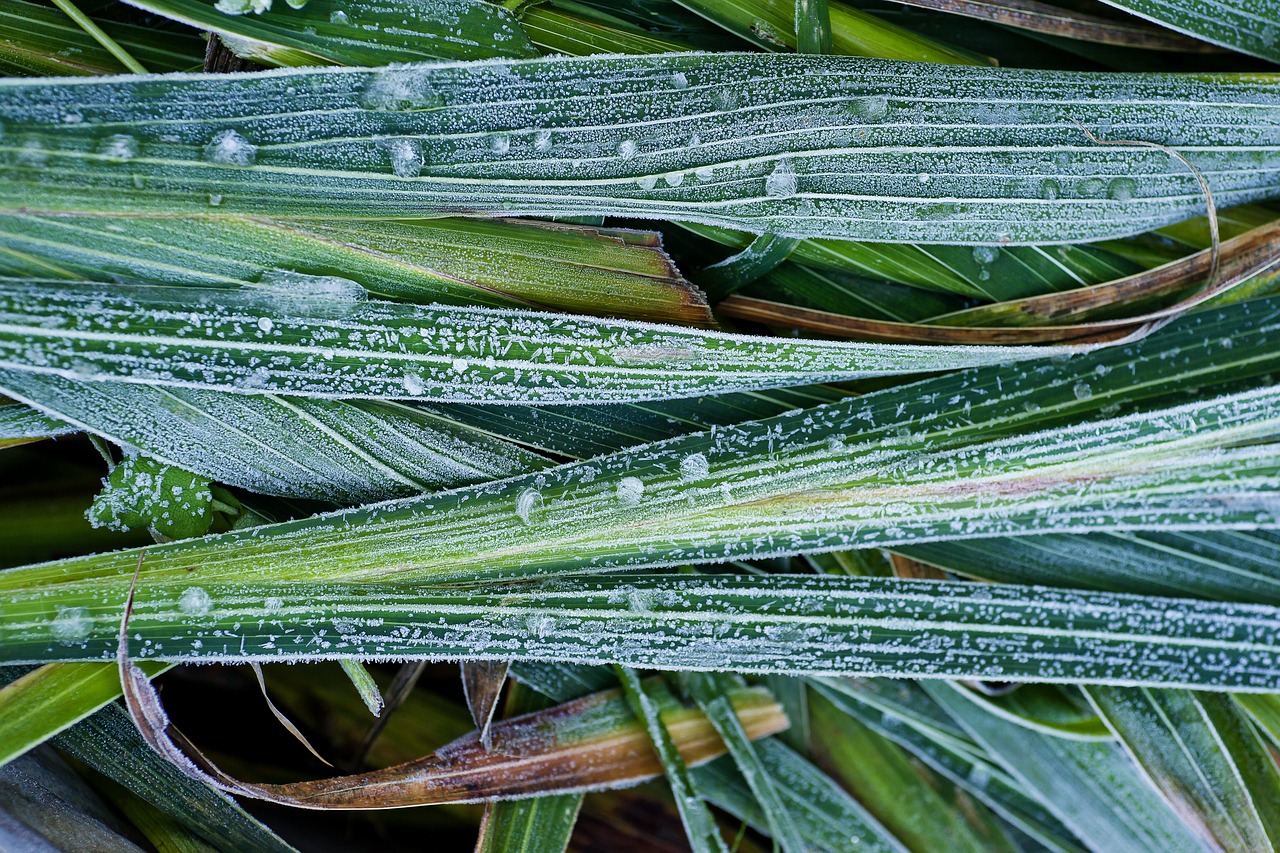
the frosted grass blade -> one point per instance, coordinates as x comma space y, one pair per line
795, 624
1202, 754
603, 271
1094, 788
814, 147
353, 32
1249, 26
317, 337
347, 452
1222, 566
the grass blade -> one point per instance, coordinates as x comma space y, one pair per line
1244, 25
1092, 787
321, 144
710, 692
605, 271
699, 825
316, 337
1201, 753
326, 31
37, 705
795, 624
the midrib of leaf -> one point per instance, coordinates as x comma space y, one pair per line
320, 149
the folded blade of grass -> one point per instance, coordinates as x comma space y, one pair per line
40, 40
341, 451
712, 692
465, 138
316, 338
1099, 313
827, 817
1221, 566
355, 32
1092, 787
924, 811
699, 824
1236, 261
1248, 26
37, 705
948, 753
1201, 753
588, 744
777, 623
611, 272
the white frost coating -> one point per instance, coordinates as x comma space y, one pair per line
228, 148
327, 341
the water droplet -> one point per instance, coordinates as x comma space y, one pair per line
530, 506
406, 157
195, 601
985, 254
1082, 391
705, 173
1092, 187
119, 147
32, 153
500, 144
1122, 189
679, 80
924, 177
782, 181
872, 108
694, 467
265, 324
412, 383
1225, 343
337, 16
1031, 407
627, 149
228, 148
1050, 190
630, 490
71, 625
460, 365
674, 179
647, 182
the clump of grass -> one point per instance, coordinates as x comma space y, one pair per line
810, 426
